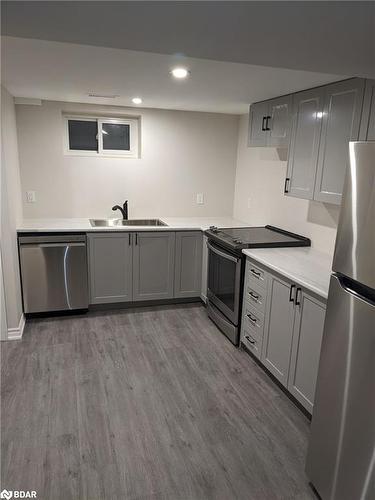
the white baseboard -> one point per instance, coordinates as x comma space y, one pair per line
16, 333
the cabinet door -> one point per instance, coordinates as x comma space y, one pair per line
110, 267
257, 118
188, 264
304, 145
307, 339
279, 329
153, 265
279, 123
367, 130
341, 120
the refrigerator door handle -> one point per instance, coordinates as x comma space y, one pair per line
359, 290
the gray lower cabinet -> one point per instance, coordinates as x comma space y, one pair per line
188, 264
307, 340
146, 265
367, 130
282, 325
340, 124
304, 146
279, 329
153, 265
110, 267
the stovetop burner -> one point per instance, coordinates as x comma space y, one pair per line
238, 238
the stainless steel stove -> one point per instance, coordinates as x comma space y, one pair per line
226, 264
238, 238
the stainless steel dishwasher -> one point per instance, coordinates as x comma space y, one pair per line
53, 272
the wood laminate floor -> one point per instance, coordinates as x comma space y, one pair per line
150, 403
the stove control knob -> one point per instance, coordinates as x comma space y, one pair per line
214, 229
237, 240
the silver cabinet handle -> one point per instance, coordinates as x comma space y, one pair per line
255, 273
297, 299
222, 254
292, 287
255, 297
251, 318
250, 339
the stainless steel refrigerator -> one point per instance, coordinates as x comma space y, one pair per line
341, 455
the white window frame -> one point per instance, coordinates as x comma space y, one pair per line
77, 152
133, 137
101, 152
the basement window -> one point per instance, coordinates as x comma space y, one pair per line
89, 136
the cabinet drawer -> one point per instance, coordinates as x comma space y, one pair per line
256, 296
252, 341
255, 276
253, 319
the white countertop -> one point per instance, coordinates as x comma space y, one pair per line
83, 225
305, 266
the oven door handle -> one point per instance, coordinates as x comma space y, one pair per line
222, 254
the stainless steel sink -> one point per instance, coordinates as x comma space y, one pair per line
141, 222
123, 222
104, 222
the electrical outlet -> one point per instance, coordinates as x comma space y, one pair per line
200, 199
30, 196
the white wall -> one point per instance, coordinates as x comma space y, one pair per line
11, 210
183, 153
260, 176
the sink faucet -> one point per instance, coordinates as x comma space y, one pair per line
123, 210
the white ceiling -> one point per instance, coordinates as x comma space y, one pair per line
68, 72
325, 36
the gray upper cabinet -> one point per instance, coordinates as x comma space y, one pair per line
304, 147
307, 340
279, 329
279, 121
257, 124
110, 267
341, 120
153, 265
367, 129
270, 122
188, 264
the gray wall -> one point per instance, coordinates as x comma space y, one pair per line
11, 210
182, 154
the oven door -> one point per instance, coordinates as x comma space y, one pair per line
224, 281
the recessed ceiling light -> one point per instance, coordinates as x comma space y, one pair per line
180, 73
137, 100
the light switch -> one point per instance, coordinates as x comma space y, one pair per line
30, 196
200, 199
